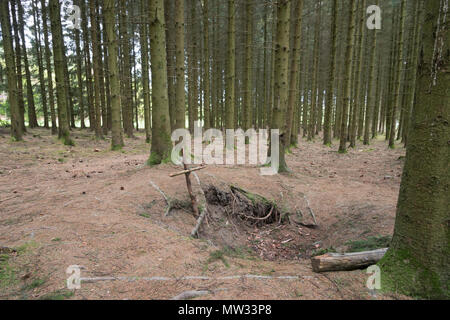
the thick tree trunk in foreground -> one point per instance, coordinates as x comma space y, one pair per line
16, 129
418, 261
161, 143
58, 57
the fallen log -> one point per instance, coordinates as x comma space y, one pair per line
346, 261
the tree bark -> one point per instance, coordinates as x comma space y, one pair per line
16, 128
58, 57
161, 143
418, 261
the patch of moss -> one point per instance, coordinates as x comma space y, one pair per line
36, 283
58, 295
7, 272
402, 273
320, 252
371, 243
218, 255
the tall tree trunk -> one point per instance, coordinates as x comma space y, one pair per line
161, 143
96, 59
37, 37
281, 93
418, 261
32, 118
169, 10
400, 72
248, 80
372, 99
348, 75
79, 58
206, 66
111, 38
331, 77
48, 64
127, 101
145, 70
106, 75
18, 60
360, 96
315, 73
58, 57
231, 66
295, 70
16, 128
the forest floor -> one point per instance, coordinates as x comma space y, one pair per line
91, 207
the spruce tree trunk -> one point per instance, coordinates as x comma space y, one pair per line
315, 73
106, 74
37, 37
97, 64
32, 118
171, 73
248, 79
348, 75
104, 121
360, 95
372, 99
418, 261
231, 67
161, 143
79, 74
111, 39
18, 60
88, 66
145, 70
295, 71
331, 76
399, 75
180, 114
58, 57
281, 92
127, 100
206, 67
16, 128
51, 97
411, 98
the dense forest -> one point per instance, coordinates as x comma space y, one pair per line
347, 73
